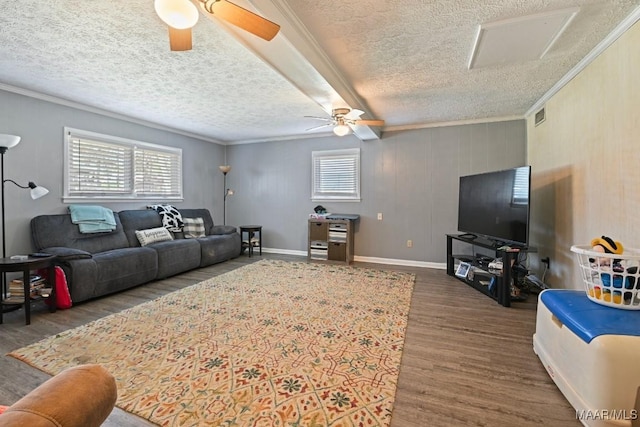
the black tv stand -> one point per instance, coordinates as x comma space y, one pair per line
493, 283
469, 236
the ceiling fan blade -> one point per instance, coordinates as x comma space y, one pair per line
369, 122
353, 114
180, 40
242, 18
318, 127
326, 119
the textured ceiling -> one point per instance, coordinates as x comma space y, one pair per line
404, 62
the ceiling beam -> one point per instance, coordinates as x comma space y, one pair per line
295, 55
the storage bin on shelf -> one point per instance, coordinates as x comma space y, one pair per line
610, 279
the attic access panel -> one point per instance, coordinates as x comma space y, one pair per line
520, 39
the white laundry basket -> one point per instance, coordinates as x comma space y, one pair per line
610, 279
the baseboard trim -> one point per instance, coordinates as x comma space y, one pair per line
284, 251
372, 260
403, 262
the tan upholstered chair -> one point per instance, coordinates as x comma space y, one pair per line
82, 396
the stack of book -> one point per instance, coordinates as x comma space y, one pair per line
254, 242
38, 289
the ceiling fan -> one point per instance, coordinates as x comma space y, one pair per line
182, 15
343, 118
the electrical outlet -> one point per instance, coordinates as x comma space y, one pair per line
546, 261
409, 243
379, 216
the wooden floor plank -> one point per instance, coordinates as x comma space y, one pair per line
467, 360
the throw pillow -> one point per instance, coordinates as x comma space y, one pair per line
153, 235
193, 227
171, 217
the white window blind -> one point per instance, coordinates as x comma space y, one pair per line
98, 168
157, 173
336, 175
103, 166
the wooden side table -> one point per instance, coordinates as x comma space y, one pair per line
251, 231
28, 265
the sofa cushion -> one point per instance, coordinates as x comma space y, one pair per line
153, 235
81, 275
199, 213
49, 231
223, 229
218, 248
193, 227
124, 268
176, 256
140, 219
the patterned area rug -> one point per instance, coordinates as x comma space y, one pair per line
270, 344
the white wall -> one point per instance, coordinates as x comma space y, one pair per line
39, 158
586, 160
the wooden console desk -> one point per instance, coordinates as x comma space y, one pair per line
331, 240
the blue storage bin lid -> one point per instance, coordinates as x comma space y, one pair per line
588, 319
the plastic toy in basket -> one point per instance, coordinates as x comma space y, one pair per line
610, 279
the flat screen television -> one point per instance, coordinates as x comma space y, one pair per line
495, 205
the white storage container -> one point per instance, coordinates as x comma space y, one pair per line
592, 353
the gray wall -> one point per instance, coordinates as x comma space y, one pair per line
39, 158
411, 177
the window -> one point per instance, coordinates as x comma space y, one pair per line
106, 167
521, 187
336, 175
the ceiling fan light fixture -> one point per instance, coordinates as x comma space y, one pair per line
341, 129
179, 14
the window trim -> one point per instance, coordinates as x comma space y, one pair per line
342, 153
70, 133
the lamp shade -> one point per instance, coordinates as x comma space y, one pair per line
225, 169
37, 191
180, 14
341, 130
9, 141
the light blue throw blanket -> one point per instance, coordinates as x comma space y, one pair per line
92, 219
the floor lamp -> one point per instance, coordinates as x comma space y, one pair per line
227, 192
6, 142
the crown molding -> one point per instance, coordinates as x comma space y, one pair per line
79, 106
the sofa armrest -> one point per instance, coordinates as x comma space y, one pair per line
223, 229
67, 254
80, 396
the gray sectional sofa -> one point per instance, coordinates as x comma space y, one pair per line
98, 264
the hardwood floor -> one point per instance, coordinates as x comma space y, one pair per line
466, 361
